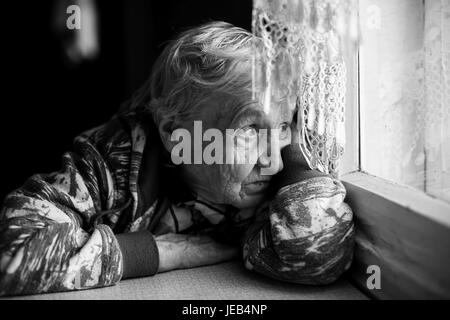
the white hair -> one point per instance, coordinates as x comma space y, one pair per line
212, 58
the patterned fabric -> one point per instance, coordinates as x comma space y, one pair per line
57, 232
306, 236
197, 216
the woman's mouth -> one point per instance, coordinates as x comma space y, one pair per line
256, 187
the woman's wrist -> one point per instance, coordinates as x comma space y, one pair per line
170, 247
179, 251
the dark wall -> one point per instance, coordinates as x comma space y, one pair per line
47, 102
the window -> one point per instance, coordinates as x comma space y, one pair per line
397, 163
405, 93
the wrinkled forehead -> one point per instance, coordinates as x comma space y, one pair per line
274, 109
240, 101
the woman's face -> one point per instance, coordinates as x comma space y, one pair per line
250, 158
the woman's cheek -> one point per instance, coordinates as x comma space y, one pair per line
246, 151
229, 184
287, 140
285, 143
236, 173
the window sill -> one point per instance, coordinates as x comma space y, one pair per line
403, 231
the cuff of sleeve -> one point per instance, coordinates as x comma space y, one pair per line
140, 254
295, 169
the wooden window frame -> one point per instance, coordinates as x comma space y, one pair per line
403, 231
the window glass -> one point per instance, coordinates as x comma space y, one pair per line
404, 70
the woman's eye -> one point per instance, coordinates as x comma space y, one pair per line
285, 129
249, 131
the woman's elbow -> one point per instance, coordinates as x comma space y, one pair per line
320, 260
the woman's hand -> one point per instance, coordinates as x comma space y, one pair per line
295, 134
295, 142
180, 251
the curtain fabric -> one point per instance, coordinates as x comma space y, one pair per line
300, 60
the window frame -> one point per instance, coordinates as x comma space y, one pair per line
403, 230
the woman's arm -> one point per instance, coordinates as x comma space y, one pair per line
307, 235
50, 236
46, 243
180, 251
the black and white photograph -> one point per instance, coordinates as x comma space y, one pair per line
235, 152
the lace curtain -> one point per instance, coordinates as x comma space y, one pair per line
405, 87
300, 60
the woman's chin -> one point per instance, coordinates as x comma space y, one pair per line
249, 200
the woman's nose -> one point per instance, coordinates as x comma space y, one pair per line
270, 160
264, 160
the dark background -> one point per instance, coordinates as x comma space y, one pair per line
46, 102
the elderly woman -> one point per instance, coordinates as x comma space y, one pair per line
121, 207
